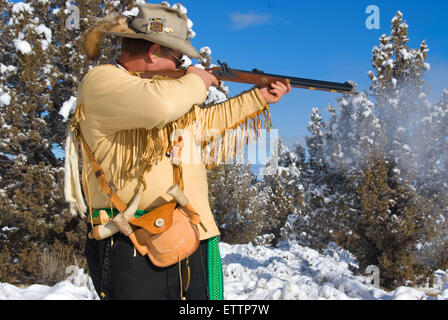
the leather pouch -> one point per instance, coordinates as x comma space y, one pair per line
166, 234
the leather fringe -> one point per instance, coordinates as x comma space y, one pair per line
223, 147
135, 149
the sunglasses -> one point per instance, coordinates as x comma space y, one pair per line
179, 61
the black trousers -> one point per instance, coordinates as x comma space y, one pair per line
119, 274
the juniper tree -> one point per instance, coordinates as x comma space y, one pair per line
393, 141
41, 65
400, 93
315, 145
389, 225
434, 177
32, 203
349, 137
440, 124
279, 190
233, 199
298, 163
374, 167
317, 168
352, 133
314, 224
412, 131
433, 185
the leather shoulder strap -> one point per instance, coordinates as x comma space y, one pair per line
107, 188
175, 155
177, 176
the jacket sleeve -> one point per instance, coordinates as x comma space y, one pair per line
233, 112
225, 128
117, 100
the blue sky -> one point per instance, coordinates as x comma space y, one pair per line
325, 40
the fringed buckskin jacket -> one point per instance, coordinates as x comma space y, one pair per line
129, 122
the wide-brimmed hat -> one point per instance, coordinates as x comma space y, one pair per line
162, 25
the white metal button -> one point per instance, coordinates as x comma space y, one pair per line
159, 223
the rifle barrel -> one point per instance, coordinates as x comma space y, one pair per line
304, 83
257, 77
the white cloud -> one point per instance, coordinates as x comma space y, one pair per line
244, 20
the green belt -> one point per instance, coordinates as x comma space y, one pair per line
214, 264
137, 213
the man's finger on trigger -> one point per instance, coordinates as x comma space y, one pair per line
276, 86
280, 83
275, 92
282, 86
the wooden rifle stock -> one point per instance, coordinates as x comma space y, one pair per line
257, 77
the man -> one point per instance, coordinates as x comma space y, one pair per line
125, 119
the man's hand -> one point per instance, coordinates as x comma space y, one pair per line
275, 92
207, 77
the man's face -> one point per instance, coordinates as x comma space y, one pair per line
176, 57
168, 60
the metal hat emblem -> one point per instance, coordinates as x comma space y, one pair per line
155, 25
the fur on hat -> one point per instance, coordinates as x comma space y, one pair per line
95, 34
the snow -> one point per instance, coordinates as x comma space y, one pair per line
22, 7
179, 7
205, 51
22, 46
68, 107
215, 96
191, 34
42, 29
406, 293
406, 148
293, 272
189, 24
131, 13
7, 69
288, 272
406, 54
78, 286
5, 99
64, 290
394, 82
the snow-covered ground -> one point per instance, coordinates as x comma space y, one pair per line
264, 273
293, 272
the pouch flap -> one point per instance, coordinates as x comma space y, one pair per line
157, 220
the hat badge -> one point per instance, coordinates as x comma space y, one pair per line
155, 25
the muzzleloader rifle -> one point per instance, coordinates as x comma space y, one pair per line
258, 77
